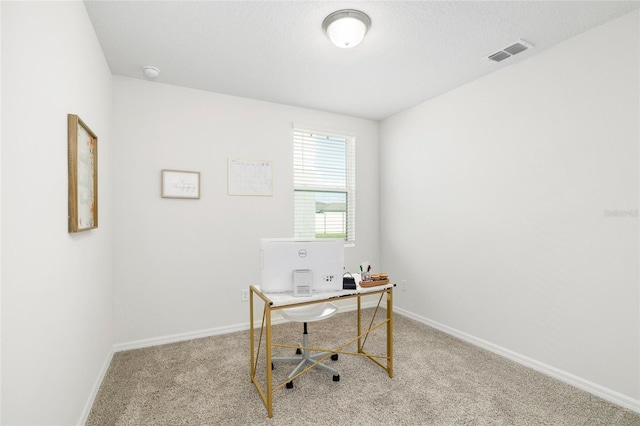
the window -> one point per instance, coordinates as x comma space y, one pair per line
324, 185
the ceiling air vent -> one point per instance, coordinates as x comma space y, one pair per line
499, 56
513, 49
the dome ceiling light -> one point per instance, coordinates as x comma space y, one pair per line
346, 28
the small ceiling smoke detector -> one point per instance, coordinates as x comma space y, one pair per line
150, 73
513, 49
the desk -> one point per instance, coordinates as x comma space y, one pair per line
274, 302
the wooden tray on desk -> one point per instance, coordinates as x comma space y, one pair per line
373, 283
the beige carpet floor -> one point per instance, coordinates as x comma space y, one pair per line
438, 380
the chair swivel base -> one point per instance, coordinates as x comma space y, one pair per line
305, 360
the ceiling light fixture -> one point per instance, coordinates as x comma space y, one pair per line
151, 73
346, 28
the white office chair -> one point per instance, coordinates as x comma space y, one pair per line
305, 314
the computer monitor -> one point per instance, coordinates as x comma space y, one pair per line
280, 257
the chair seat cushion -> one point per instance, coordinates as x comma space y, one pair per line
310, 313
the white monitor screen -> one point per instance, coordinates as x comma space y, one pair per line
279, 257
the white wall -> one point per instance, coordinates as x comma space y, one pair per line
0, 219
180, 265
56, 287
494, 201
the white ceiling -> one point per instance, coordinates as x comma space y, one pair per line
276, 51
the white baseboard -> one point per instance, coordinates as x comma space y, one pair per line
173, 338
163, 340
94, 390
578, 382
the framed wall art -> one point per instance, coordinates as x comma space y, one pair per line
83, 175
180, 184
249, 177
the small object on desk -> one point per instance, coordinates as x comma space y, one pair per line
373, 283
374, 280
348, 283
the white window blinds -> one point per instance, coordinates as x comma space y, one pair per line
324, 185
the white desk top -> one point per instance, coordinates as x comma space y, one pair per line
283, 299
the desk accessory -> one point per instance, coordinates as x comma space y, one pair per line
365, 270
348, 283
374, 280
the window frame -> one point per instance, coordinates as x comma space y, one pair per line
309, 135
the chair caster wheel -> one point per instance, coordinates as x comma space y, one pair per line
298, 351
290, 384
334, 357
272, 366
336, 378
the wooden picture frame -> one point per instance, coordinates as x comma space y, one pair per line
83, 175
180, 184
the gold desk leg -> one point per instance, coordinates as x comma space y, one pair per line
268, 364
251, 344
390, 332
359, 326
